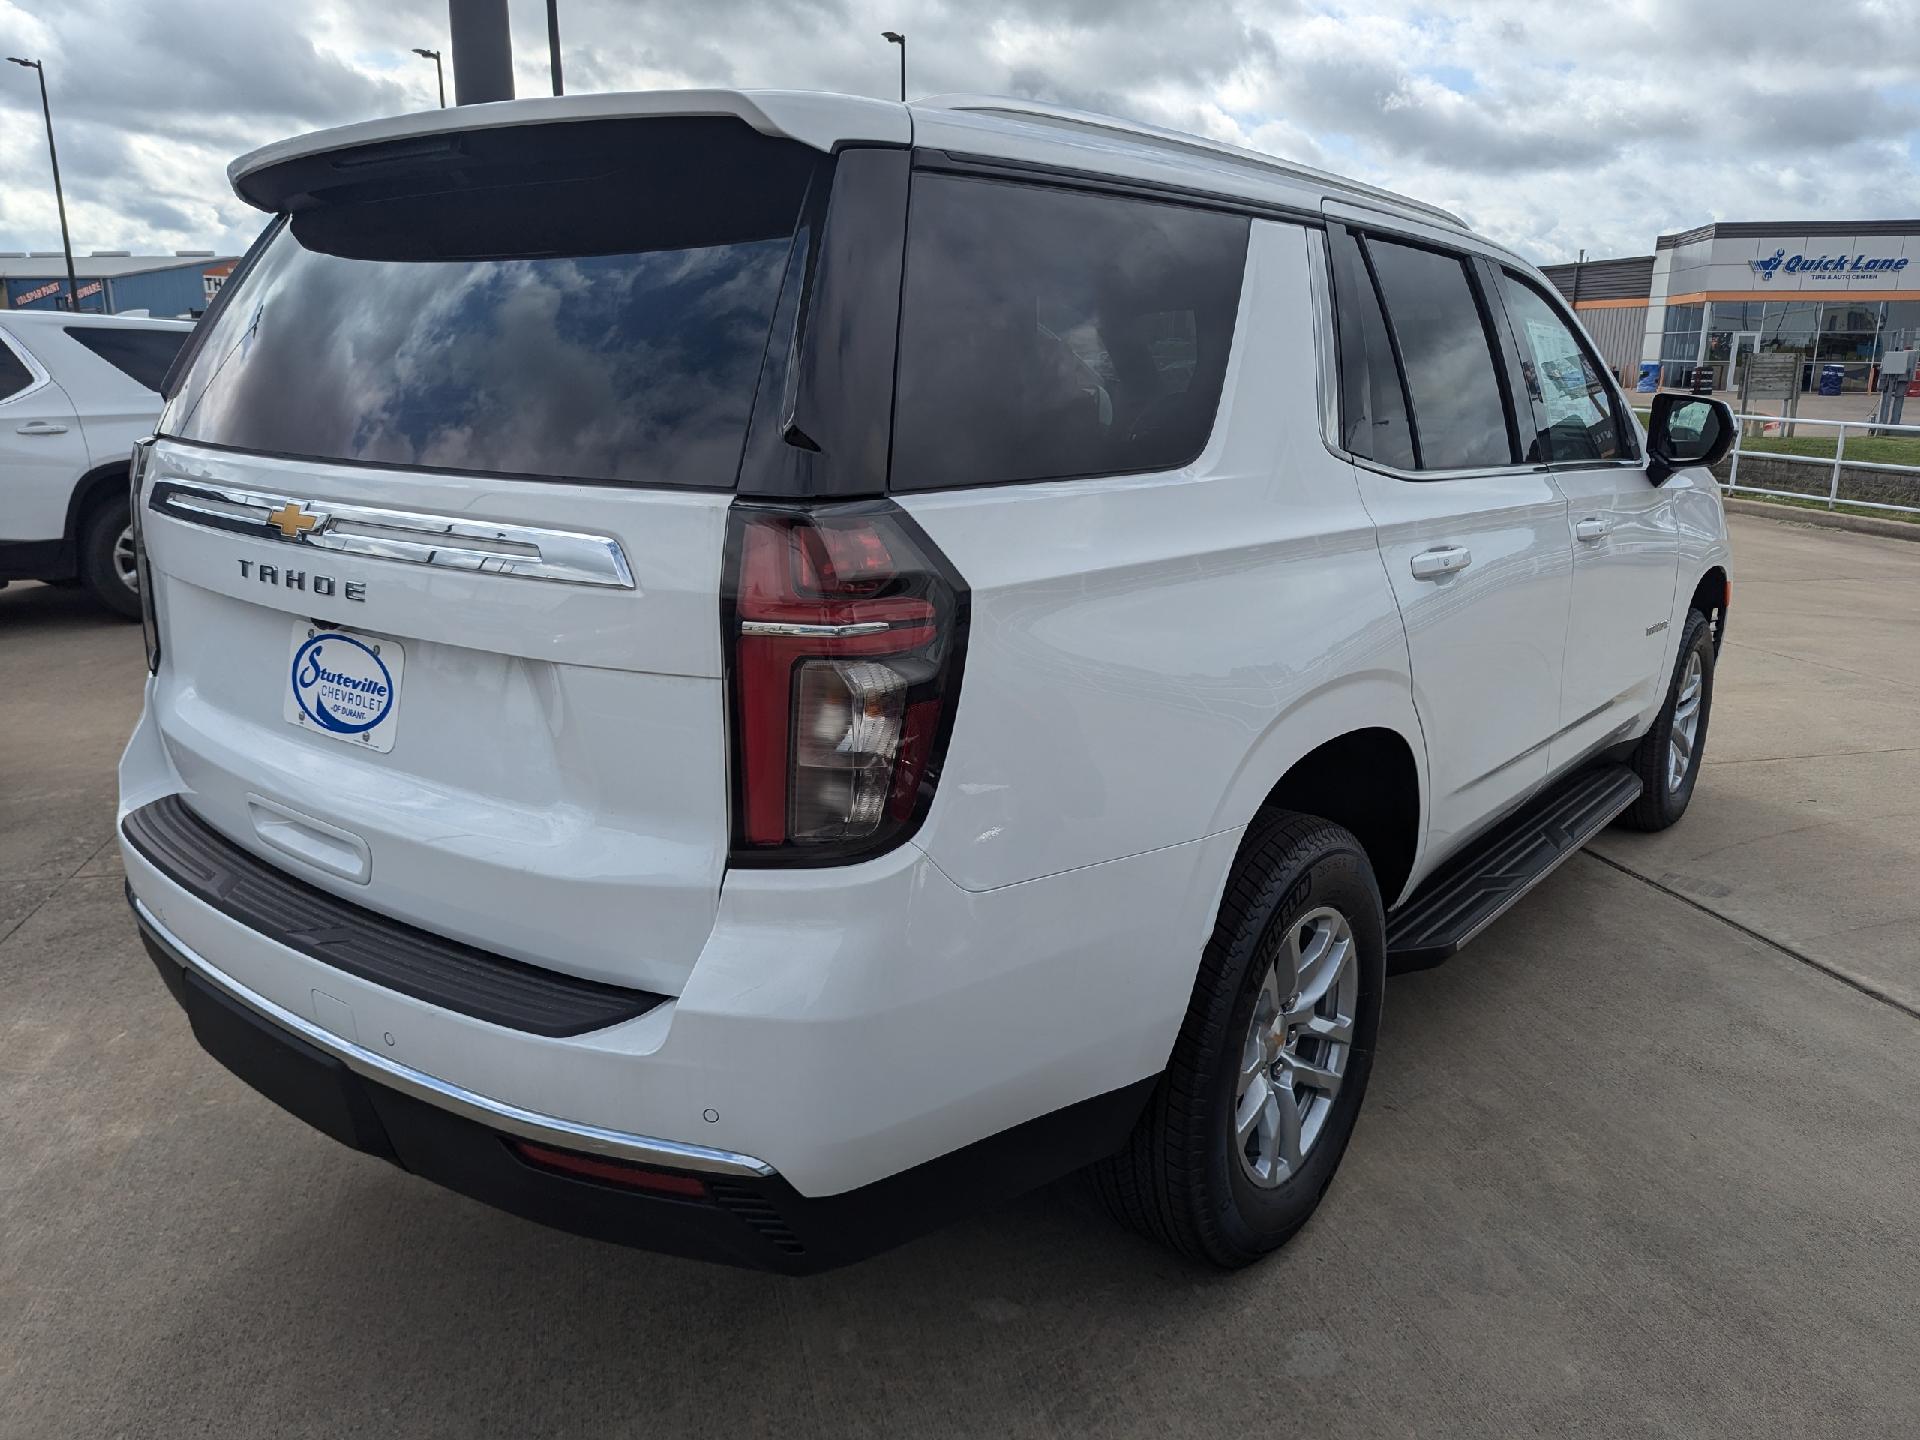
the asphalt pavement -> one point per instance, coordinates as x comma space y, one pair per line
1641, 1161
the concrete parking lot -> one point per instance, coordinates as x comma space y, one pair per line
1642, 1161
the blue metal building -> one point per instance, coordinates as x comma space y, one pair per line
114, 281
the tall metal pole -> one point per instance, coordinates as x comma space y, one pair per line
894, 37
482, 51
439, 73
553, 44
59, 196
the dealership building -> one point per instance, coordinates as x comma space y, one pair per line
1835, 292
114, 281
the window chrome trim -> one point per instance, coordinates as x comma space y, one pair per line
412, 537
445, 1095
42, 377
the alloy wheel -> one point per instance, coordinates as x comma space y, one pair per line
1685, 731
1297, 1045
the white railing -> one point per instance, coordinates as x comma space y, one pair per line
1834, 465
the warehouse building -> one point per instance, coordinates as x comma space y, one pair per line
1835, 292
114, 281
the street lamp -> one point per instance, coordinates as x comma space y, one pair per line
438, 73
59, 197
894, 37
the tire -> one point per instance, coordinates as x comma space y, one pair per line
1184, 1177
101, 559
1663, 797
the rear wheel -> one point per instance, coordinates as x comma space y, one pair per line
1259, 1098
107, 562
1668, 759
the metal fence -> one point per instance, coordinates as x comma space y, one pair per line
1835, 465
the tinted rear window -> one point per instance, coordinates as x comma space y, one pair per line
143, 356
591, 305
1046, 334
1459, 416
14, 375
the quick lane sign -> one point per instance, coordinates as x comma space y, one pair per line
1832, 267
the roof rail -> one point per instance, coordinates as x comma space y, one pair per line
1179, 140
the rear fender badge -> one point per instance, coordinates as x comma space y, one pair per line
291, 579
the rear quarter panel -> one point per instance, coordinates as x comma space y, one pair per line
1149, 654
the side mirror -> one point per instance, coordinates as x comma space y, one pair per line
1686, 430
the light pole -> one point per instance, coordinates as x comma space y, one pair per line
553, 44
59, 197
438, 74
894, 37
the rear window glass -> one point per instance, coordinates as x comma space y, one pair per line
591, 305
143, 356
1046, 334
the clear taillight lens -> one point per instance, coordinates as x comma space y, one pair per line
846, 629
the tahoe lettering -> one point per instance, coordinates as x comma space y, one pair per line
322, 585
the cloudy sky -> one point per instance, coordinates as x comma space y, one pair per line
1552, 126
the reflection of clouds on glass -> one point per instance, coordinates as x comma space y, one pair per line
636, 367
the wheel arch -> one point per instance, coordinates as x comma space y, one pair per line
98, 484
1712, 597
1354, 756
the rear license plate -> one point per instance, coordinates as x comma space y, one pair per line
344, 685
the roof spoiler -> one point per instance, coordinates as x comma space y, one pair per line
281, 176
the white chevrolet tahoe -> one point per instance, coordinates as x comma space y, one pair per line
740, 673
76, 392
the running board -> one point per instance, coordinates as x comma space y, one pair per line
1473, 890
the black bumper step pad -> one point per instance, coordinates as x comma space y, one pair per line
1473, 890
388, 952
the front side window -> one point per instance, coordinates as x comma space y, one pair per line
143, 356
1046, 334
1446, 355
1568, 391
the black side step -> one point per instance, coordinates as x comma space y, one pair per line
1474, 889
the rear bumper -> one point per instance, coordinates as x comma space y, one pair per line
745, 1214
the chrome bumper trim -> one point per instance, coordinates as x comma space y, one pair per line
496, 1114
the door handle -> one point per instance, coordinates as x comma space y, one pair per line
39, 427
1442, 562
1593, 529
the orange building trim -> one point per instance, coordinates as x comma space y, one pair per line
1808, 295
1611, 305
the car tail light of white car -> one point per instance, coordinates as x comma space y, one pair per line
846, 629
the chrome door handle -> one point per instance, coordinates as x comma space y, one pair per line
39, 427
1439, 563
1592, 529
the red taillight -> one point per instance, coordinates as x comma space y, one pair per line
846, 627
611, 1172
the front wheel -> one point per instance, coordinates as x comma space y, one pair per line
108, 565
1668, 758
1260, 1095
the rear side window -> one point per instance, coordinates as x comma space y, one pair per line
143, 356
1575, 409
1446, 355
1373, 407
588, 303
14, 375
1046, 334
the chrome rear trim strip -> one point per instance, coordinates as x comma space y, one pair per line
495, 1114
813, 632
412, 537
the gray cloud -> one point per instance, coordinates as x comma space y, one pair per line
1553, 126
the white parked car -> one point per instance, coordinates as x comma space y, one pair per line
76, 392
743, 672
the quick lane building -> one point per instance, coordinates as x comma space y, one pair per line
112, 281
1831, 291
